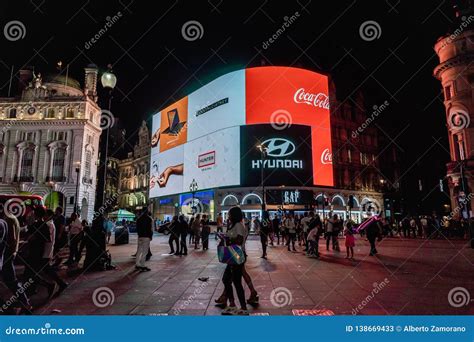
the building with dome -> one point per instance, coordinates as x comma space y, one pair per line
49, 140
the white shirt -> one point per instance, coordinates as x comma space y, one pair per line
49, 246
238, 229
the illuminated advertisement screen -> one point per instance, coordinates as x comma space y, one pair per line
286, 159
208, 139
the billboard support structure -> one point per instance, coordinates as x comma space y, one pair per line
263, 154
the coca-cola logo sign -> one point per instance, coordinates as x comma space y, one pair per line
319, 100
326, 157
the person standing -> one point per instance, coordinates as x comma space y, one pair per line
373, 232
305, 229
110, 227
191, 232
196, 228
145, 235
174, 236
183, 232
220, 225
413, 227
9, 242
233, 273
206, 231
350, 240
75, 236
262, 229
424, 227
337, 228
291, 229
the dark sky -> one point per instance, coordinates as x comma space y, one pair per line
155, 65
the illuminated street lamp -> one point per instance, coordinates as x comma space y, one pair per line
108, 80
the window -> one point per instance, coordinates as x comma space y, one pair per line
70, 113
59, 135
349, 155
363, 159
50, 114
58, 164
447, 93
27, 136
12, 113
87, 171
26, 171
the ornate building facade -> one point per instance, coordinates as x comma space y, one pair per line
49, 140
456, 74
133, 174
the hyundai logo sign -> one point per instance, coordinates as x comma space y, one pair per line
279, 147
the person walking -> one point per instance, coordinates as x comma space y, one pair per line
262, 230
174, 236
9, 242
183, 232
350, 240
60, 240
373, 233
276, 228
75, 236
196, 228
191, 232
291, 229
305, 228
206, 232
145, 235
329, 232
337, 228
233, 273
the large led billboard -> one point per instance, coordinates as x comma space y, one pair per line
208, 139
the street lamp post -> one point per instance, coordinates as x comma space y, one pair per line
108, 80
193, 187
263, 154
77, 168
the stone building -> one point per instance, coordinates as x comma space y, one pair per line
49, 139
133, 174
456, 74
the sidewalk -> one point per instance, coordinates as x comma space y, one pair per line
407, 277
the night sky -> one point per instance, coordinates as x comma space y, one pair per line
156, 66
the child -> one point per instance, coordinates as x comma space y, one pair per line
350, 241
312, 241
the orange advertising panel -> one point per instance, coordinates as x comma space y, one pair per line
174, 125
283, 96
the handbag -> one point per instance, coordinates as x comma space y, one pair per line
230, 255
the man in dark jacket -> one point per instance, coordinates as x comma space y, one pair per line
183, 232
145, 235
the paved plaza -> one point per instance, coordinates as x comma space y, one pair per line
407, 277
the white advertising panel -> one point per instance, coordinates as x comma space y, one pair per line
166, 172
155, 132
213, 160
217, 105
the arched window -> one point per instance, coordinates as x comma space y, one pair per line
58, 164
26, 171
70, 113
50, 113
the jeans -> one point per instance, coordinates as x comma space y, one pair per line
264, 241
142, 250
174, 238
372, 239
291, 239
233, 275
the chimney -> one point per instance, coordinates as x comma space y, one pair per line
90, 81
26, 76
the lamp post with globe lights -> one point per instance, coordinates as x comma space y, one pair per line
108, 80
77, 167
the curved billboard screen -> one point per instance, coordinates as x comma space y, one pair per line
209, 138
